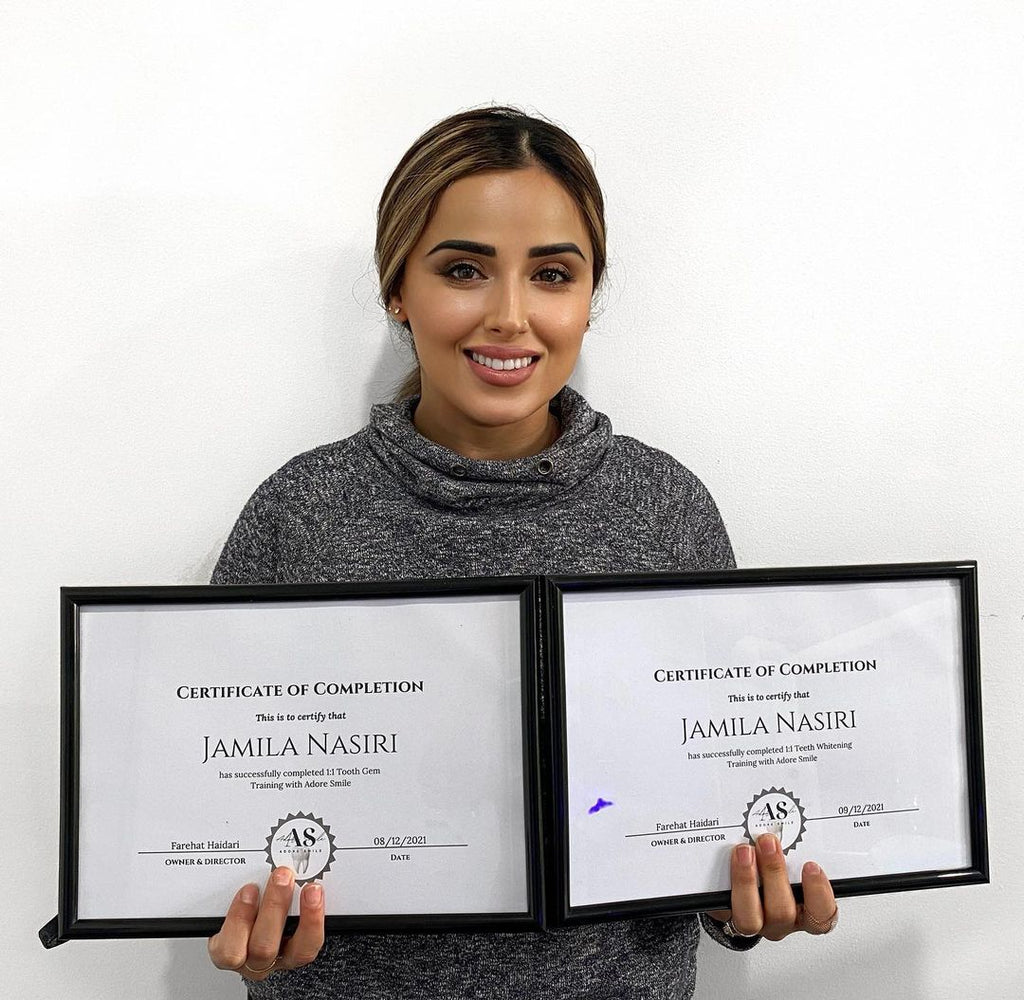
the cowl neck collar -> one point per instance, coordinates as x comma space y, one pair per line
447, 479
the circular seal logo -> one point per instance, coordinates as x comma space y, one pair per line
304, 843
778, 811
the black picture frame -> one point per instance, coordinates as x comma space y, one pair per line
962, 573
70, 925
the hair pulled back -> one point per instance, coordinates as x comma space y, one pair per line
471, 142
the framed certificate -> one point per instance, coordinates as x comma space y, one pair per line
378, 738
838, 708
514, 753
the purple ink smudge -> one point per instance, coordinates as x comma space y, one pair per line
598, 806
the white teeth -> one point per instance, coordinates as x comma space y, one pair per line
501, 366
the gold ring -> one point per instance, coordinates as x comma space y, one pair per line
260, 972
823, 926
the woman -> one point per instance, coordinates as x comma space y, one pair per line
490, 246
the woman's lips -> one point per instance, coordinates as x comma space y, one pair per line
491, 365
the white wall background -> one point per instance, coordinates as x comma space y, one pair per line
814, 300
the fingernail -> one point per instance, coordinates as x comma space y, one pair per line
811, 868
283, 876
249, 894
313, 894
768, 844
745, 855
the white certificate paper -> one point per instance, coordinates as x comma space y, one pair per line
829, 714
375, 745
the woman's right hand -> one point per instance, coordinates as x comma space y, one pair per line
250, 941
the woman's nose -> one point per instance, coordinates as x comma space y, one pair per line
506, 310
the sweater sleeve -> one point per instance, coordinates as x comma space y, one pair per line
250, 555
694, 531
708, 539
716, 930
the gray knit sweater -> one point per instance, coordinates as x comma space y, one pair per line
389, 504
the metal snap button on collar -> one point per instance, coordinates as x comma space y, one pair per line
459, 471
544, 466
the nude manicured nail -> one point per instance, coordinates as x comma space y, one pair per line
313, 894
811, 868
745, 855
249, 894
768, 844
283, 876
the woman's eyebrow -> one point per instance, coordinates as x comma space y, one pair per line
554, 248
466, 246
486, 250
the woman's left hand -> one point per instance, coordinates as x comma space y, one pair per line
773, 912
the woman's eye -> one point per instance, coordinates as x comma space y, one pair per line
461, 271
464, 271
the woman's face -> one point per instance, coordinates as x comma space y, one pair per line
497, 295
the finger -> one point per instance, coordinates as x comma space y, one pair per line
780, 912
747, 915
819, 901
265, 939
229, 947
305, 944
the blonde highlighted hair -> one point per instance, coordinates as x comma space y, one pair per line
495, 138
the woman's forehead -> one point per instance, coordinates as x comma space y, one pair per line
508, 208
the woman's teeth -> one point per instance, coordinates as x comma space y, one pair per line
498, 365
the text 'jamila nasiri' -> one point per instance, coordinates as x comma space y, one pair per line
784, 722
312, 745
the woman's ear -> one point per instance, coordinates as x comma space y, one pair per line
395, 307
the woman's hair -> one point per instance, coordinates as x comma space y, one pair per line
496, 138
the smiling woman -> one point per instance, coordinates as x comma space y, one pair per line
490, 246
496, 293
491, 241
